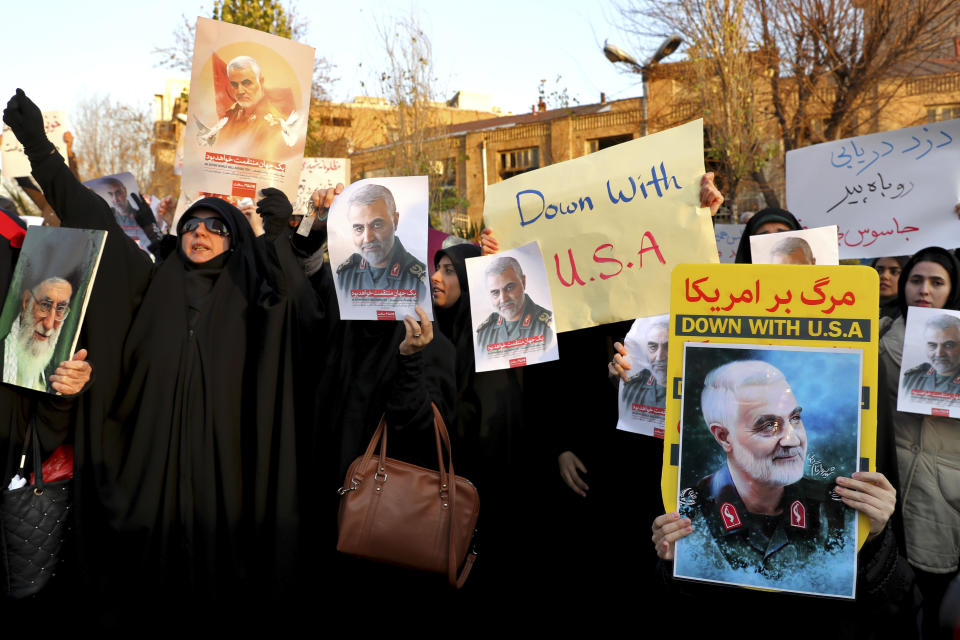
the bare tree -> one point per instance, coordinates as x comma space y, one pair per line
413, 126
834, 65
720, 79
113, 137
801, 71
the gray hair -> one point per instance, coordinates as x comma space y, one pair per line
943, 322
718, 402
370, 193
244, 62
659, 324
501, 264
788, 245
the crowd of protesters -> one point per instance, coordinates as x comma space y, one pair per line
219, 398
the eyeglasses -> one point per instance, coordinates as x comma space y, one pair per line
213, 225
45, 305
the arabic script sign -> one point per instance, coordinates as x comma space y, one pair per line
889, 193
805, 306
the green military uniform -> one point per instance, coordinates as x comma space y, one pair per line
534, 321
403, 271
925, 378
643, 389
811, 521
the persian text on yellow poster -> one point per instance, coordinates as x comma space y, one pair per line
806, 336
611, 224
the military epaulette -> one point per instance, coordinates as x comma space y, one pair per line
486, 322
546, 318
920, 368
417, 271
346, 263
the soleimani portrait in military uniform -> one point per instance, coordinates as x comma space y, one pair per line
936, 382
768, 516
380, 262
517, 329
646, 389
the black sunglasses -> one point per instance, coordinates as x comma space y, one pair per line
213, 225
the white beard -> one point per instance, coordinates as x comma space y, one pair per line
765, 471
33, 355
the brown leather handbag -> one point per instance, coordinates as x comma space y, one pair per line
401, 514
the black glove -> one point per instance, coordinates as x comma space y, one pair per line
275, 209
25, 120
144, 217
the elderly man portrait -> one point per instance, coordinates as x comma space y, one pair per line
380, 260
792, 251
762, 514
515, 314
116, 195
941, 371
648, 387
28, 348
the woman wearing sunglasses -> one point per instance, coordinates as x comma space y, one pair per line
179, 439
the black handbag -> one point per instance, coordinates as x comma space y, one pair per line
33, 527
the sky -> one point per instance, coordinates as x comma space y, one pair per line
63, 52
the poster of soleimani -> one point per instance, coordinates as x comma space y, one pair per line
642, 398
765, 432
806, 246
511, 309
116, 190
46, 302
248, 113
930, 370
378, 248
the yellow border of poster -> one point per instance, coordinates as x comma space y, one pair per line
807, 306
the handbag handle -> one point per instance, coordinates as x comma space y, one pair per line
30, 439
440, 430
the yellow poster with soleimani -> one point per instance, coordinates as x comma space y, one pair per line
611, 224
771, 397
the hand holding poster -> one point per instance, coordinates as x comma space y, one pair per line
788, 325
248, 113
753, 416
807, 246
611, 224
116, 190
46, 302
378, 247
887, 192
15, 162
511, 309
643, 396
930, 371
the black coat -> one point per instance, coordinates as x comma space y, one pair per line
185, 446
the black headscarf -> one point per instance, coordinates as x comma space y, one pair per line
889, 306
945, 259
454, 322
770, 214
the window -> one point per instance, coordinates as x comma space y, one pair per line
941, 112
519, 161
603, 143
332, 121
